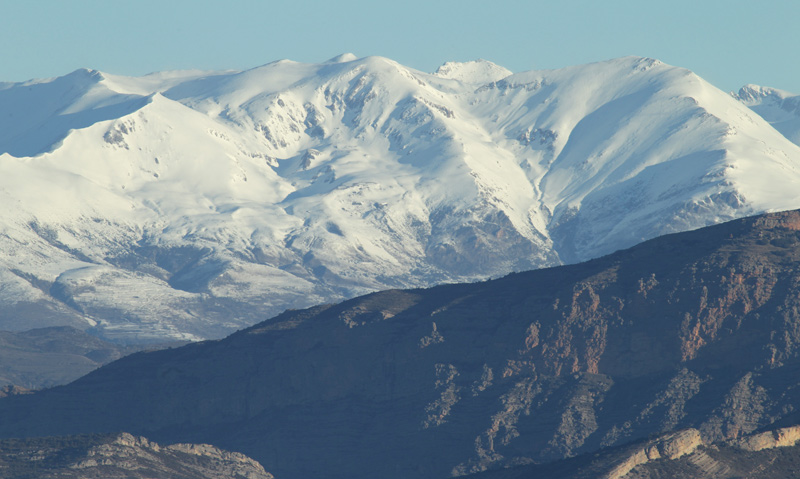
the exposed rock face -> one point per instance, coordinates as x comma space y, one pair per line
787, 436
753, 456
680, 455
121, 456
671, 446
699, 330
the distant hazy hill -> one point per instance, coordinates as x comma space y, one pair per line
46, 357
190, 204
694, 330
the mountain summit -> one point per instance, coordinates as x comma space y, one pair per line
781, 109
190, 204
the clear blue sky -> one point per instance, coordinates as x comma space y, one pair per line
729, 43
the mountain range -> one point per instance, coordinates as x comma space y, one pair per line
696, 332
187, 205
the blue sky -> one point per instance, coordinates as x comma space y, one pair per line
729, 43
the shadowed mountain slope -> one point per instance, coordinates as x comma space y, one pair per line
693, 330
46, 357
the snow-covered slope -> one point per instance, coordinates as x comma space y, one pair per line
188, 204
781, 109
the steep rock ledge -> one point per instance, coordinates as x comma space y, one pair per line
785, 437
670, 446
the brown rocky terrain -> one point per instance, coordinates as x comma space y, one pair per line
120, 456
698, 330
679, 455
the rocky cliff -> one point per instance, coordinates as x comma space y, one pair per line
696, 330
671, 446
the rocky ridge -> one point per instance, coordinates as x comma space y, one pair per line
12, 390
678, 455
730, 459
670, 446
121, 456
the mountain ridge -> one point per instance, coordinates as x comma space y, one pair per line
166, 206
691, 330
121, 455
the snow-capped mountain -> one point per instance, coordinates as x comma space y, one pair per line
189, 204
781, 109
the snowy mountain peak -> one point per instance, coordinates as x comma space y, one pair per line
85, 74
780, 108
343, 58
750, 93
754, 94
39, 114
166, 205
477, 71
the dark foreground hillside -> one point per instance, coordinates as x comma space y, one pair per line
676, 455
696, 330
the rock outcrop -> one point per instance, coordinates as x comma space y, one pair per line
707, 461
13, 390
123, 456
764, 455
784, 437
679, 455
670, 446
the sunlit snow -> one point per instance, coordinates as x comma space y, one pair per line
189, 204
